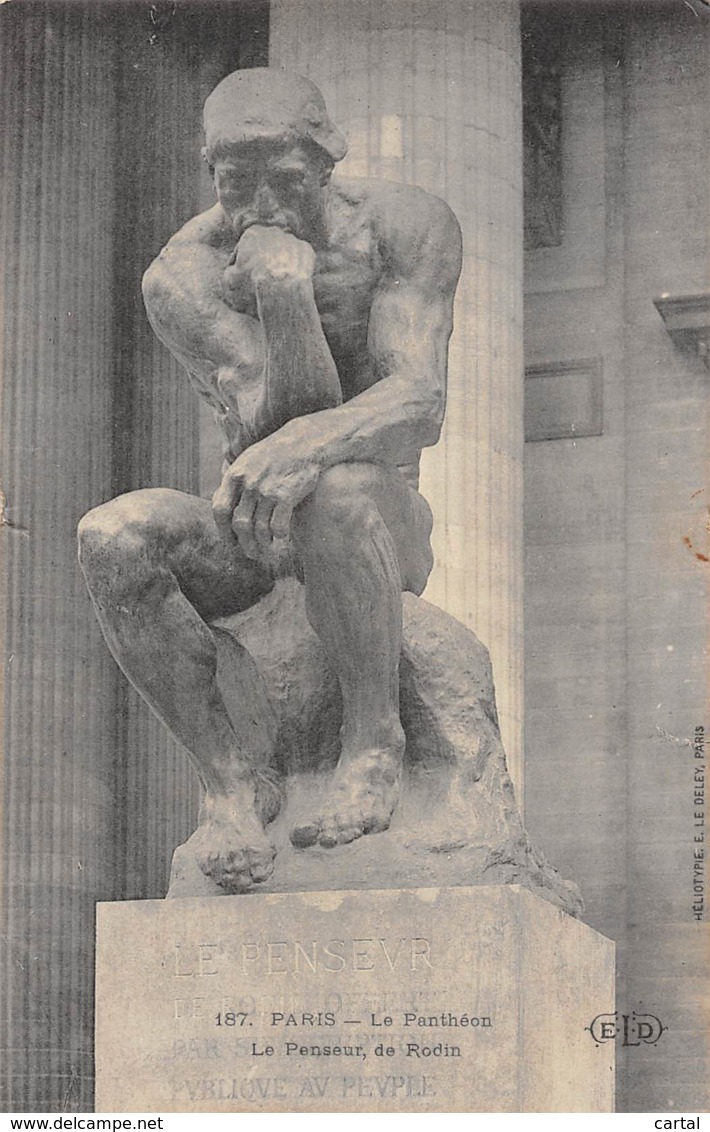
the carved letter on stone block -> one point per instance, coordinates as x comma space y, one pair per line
268, 631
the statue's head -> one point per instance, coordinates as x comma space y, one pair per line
270, 147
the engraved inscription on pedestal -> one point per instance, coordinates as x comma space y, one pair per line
421, 1000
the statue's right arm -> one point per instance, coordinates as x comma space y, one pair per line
183, 295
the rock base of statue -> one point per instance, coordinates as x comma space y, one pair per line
424, 1000
457, 822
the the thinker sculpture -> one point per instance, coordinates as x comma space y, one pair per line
314, 316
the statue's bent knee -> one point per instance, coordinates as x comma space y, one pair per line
91, 537
109, 552
343, 497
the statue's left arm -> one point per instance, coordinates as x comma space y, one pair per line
402, 412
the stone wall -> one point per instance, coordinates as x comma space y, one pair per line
616, 603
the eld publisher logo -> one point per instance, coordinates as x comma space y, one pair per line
634, 1029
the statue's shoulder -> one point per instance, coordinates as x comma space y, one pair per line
207, 229
196, 255
408, 223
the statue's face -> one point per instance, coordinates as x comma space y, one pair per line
271, 183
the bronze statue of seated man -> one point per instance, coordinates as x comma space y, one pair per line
314, 316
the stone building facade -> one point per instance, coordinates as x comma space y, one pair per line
100, 158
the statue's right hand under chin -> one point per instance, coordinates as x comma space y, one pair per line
266, 255
238, 289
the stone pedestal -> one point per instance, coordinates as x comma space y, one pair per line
440, 1000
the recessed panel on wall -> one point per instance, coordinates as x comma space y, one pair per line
565, 162
564, 399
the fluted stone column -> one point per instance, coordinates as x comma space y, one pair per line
428, 92
59, 745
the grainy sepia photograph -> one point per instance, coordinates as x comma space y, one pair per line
354, 554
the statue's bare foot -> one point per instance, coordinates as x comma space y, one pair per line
230, 844
361, 800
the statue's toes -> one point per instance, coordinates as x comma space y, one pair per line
235, 880
238, 869
340, 829
376, 823
230, 871
350, 832
329, 838
305, 833
261, 863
